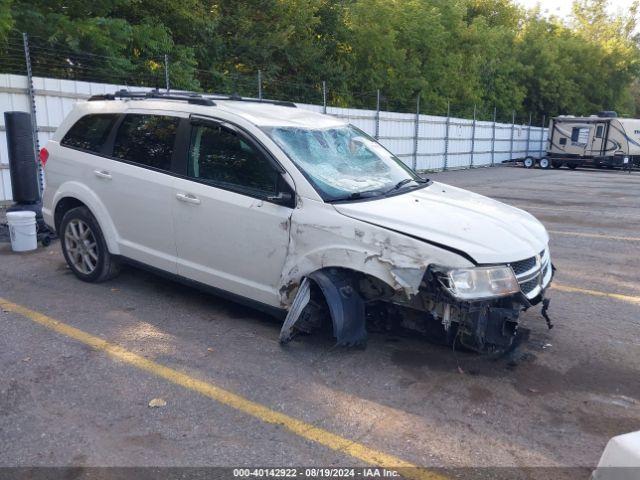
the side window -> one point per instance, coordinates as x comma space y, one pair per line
90, 132
575, 133
146, 139
579, 136
599, 131
221, 156
563, 141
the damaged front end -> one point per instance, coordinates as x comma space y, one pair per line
486, 323
477, 307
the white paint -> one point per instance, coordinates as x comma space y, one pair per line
620, 459
485, 229
262, 250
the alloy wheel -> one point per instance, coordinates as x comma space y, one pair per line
81, 246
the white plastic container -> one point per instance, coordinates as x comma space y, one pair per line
22, 229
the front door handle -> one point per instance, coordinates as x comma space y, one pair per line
188, 198
102, 174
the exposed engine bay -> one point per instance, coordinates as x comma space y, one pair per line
355, 303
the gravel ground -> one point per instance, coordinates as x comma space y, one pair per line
555, 405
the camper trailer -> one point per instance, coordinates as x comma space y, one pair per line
602, 140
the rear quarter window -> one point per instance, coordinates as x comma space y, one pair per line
90, 132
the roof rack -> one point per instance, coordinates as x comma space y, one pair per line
193, 98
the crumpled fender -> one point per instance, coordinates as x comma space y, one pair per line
346, 306
333, 240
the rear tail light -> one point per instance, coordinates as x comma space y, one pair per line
44, 156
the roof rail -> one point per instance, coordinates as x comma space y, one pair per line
193, 98
237, 98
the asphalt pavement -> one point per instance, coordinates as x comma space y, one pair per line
235, 397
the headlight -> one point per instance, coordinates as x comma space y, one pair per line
481, 282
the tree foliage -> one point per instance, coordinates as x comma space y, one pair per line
484, 53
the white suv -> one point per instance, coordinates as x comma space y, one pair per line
297, 213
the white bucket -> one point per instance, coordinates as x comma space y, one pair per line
22, 229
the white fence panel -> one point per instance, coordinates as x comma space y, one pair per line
54, 99
483, 144
459, 148
431, 150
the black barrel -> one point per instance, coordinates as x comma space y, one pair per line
22, 162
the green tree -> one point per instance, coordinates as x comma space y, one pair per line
6, 20
484, 53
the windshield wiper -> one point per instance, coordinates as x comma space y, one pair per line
376, 193
358, 195
400, 184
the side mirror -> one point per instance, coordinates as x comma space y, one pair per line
282, 198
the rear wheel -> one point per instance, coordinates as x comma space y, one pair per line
556, 164
572, 166
544, 163
84, 247
528, 162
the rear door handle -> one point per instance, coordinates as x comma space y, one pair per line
102, 174
188, 198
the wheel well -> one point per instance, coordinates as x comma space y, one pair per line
363, 282
63, 206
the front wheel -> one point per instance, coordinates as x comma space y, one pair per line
528, 162
84, 248
544, 163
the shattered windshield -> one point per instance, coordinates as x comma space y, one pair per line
343, 162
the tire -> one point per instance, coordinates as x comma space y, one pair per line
544, 163
84, 248
556, 164
528, 162
572, 166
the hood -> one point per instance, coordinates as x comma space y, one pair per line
486, 230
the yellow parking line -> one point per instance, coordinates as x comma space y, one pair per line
617, 296
596, 235
230, 399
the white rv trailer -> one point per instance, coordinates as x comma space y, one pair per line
603, 140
